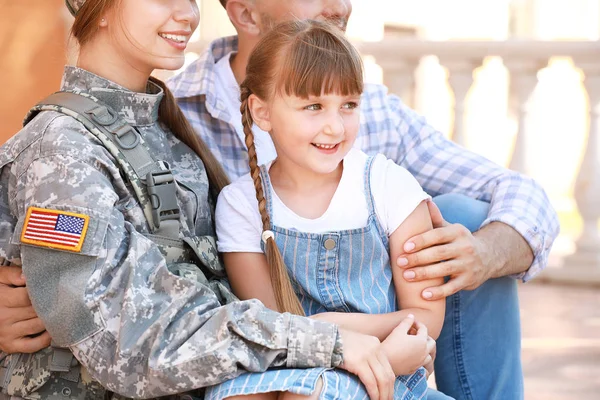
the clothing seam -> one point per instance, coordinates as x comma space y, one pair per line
38, 141
458, 350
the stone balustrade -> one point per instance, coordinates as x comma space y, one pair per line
399, 59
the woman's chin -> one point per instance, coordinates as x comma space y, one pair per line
171, 64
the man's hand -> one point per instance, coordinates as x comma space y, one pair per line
21, 331
447, 250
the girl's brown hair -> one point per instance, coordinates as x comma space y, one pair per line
85, 27
296, 58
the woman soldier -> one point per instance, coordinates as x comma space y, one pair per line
105, 200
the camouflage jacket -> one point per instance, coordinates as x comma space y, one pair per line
136, 328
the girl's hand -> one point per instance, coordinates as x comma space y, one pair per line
406, 351
364, 357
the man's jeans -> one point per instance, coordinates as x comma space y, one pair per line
479, 349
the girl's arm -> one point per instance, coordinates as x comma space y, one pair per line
431, 313
409, 294
249, 277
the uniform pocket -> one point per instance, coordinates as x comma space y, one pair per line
30, 373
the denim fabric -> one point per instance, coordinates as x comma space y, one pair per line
479, 349
353, 276
343, 271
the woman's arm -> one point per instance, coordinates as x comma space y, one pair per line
138, 329
430, 313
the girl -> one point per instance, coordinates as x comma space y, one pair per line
109, 210
336, 215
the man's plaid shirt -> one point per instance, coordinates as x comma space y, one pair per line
391, 128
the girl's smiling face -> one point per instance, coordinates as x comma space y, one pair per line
314, 133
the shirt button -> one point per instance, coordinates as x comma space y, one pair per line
329, 244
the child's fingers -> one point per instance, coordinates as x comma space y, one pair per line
431, 345
421, 331
406, 324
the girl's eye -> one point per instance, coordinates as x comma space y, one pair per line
351, 105
313, 107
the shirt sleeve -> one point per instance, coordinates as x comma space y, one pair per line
441, 166
238, 222
139, 330
397, 193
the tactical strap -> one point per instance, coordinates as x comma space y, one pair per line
61, 359
153, 183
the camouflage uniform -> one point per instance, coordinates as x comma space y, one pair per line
141, 322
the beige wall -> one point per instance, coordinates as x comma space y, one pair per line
32, 49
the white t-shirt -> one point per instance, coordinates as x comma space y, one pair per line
226, 84
395, 191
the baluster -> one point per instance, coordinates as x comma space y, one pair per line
399, 77
585, 262
523, 81
460, 79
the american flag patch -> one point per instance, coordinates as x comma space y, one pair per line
55, 229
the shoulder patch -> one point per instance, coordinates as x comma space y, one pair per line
55, 229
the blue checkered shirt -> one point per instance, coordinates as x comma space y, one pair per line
391, 128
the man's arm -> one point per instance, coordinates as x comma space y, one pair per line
518, 205
494, 251
21, 331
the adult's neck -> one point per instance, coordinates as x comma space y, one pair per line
103, 60
239, 61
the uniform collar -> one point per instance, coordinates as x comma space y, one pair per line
136, 108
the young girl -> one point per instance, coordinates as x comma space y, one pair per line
109, 211
329, 213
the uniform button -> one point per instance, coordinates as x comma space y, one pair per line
329, 244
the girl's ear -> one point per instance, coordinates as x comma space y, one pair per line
261, 113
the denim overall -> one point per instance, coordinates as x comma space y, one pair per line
343, 271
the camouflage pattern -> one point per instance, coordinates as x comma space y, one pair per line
143, 320
74, 5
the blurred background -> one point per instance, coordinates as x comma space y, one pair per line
517, 81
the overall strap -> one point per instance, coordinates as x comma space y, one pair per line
267, 190
153, 183
367, 183
369, 197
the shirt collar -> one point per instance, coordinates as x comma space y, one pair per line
198, 79
136, 108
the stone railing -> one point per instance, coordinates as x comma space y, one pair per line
399, 59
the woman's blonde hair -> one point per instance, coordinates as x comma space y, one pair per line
85, 27
296, 58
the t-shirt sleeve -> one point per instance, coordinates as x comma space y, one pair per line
397, 193
239, 226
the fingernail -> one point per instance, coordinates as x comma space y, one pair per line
409, 246
410, 316
23, 276
427, 295
409, 275
403, 262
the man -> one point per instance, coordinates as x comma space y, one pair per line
515, 236
514, 239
